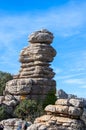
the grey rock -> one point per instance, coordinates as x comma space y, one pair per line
84, 100
76, 102
12, 124
64, 115
1, 99
25, 86
43, 127
33, 127
83, 117
35, 76
9, 97
63, 102
62, 94
74, 111
50, 108
42, 36
10, 103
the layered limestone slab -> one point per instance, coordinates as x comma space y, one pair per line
35, 76
63, 107
27, 86
57, 123
42, 36
12, 124
61, 116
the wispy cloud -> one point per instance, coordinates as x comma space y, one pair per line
65, 21
68, 75
75, 81
84, 86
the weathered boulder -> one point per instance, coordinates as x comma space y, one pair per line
56, 123
64, 115
12, 124
62, 94
1, 99
9, 97
27, 86
83, 117
76, 102
35, 78
11, 103
62, 102
42, 36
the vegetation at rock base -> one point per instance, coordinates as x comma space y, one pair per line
28, 109
50, 99
4, 114
4, 77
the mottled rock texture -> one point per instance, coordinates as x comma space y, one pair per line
12, 124
64, 115
35, 78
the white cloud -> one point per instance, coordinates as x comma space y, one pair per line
65, 21
67, 76
75, 81
84, 86
75, 62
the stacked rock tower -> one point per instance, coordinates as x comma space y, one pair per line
35, 78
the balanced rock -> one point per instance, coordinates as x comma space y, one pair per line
35, 78
42, 36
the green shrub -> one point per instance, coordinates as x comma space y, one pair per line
4, 113
50, 99
4, 77
28, 109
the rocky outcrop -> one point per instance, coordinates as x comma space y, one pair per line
64, 115
8, 100
12, 124
35, 78
62, 94
83, 117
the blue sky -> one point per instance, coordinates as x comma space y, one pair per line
65, 18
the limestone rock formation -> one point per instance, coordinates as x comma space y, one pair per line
35, 78
12, 124
64, 115
83, 117
62, 94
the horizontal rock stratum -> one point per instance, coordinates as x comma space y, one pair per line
35, 78
64, 115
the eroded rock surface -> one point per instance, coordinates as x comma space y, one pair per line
12, 124
35, 78
64, 115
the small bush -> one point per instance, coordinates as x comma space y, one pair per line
4, 113
28, 109
4, 77
50, 99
